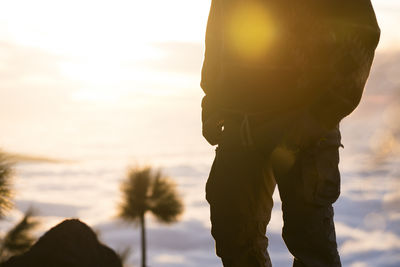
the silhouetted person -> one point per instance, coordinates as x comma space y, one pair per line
278, 77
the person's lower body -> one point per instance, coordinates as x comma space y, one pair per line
239, 191
240, 206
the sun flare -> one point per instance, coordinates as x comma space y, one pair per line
250, 30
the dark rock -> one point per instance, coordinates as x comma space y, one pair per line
68, 244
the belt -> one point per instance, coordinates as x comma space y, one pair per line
243, 121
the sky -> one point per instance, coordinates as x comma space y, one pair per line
101, 50
56, 55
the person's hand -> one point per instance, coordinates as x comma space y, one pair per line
213, 128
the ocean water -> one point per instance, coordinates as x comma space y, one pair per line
97, 142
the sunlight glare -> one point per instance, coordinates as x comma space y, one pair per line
251, 30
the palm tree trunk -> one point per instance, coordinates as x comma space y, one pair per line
143, 226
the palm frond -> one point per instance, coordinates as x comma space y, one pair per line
135, 191
6, 172
166, 203
19, 238
148, 190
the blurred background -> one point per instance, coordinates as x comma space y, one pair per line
89, 88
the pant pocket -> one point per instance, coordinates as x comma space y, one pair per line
320, 173
328, 186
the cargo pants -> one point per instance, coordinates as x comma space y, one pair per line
240, 188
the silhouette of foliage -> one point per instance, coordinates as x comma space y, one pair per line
6, 173
146, 190
19, 238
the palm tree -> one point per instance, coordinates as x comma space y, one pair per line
6, 173
147, 190
19, 238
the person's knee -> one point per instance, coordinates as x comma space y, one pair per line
252, 254
241, 244
231, 235
310, 236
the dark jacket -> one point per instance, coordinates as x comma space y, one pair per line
315, 63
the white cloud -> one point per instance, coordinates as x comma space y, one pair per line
169, 258
362, 241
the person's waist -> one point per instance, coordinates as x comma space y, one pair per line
234, 116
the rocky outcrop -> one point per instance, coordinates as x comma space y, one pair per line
69, 244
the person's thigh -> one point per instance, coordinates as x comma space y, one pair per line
240, 184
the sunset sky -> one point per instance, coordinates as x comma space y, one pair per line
104, 49
58, 55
